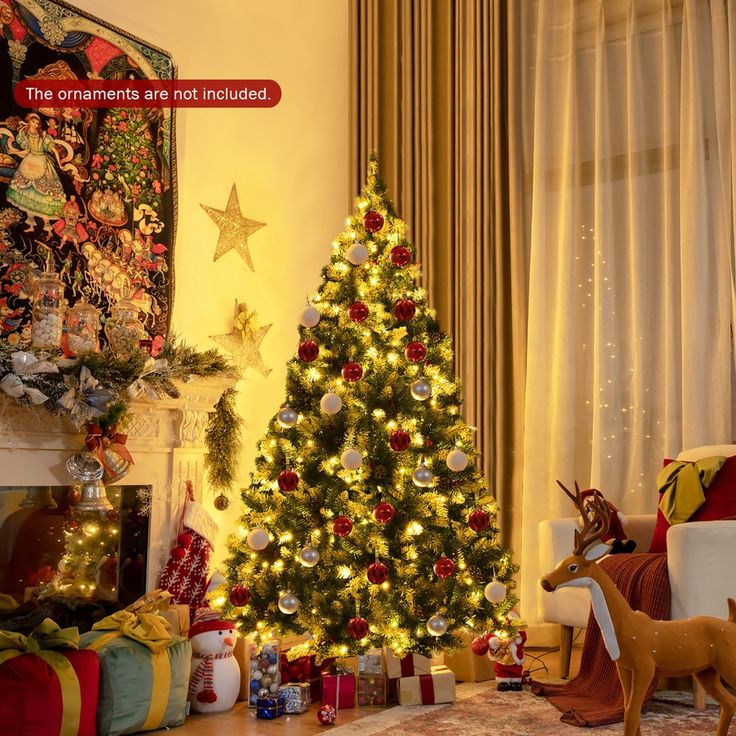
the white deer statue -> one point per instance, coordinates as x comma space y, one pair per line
704, 647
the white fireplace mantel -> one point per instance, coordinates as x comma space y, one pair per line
165, 438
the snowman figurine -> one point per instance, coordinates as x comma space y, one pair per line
215, 680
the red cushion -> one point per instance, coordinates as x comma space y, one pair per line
720, 503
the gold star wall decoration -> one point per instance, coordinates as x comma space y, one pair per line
244, 341
234, 228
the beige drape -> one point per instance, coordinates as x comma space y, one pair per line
437, 90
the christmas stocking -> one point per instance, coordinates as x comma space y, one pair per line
185, 574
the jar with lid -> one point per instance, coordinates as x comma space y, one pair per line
48, 310
123, 329
82, 328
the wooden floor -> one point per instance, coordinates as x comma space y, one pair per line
241, 721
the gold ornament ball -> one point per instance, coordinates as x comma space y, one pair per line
457, 460
221, 502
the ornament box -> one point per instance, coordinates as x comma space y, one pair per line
437, 687
263, 671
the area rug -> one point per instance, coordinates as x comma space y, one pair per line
487, 711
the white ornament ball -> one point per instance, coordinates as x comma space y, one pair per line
257, 539
309, 317
437, 625
256, 674
287, 417
274, 687
330, 403
272, 670
457, 460
422, 476
421, 390
351, 459
357, 254
309, 556
495, 592
288, 603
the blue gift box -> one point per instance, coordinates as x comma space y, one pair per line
270, 708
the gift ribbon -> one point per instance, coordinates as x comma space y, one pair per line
97, 441
682, 486
48, 636
407, 666
426, 688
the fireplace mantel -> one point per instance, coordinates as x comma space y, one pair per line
165, 438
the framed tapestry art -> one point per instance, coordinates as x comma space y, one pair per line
87, 193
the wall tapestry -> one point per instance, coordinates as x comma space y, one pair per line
90, 193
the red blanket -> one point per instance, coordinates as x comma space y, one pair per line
594, 697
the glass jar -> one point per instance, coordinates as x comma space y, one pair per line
123, 329
48, 311
82, 328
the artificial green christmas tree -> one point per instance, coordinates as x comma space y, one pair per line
368, 522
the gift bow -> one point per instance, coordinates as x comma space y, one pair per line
152, 602
26, 364
682, 486
148, 629
98, 440
47, 635
141, 387
86, 401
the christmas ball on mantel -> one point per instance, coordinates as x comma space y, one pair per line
444, 567
327, 715
357, 254
330, 403
421, 389
221, 502
352, 371
400, 256
373, 221
257, 539
239, 595
288, 480
309, 556
309, 317
384, 512
404, 310
351, 459
457, 460
479, 520
342, 526
415, 351
399, 440
288, 603
357, 628
308, 351
377, 573
437, 625
495, 592
422, 476
287, 417
358, 311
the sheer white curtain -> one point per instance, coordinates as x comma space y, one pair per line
629, 355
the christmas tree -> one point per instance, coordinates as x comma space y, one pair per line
367, 522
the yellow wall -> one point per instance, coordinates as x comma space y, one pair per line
290, 165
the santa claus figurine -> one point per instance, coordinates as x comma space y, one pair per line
616, 535
508, 657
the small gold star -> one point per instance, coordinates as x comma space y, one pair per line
234, 228
244, 342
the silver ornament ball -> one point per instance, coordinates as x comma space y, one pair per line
357, 254
457, 460
421, 390
495, 592
437, 625
272, 670
258, 539
287, 417
309, 317
422, 476
309, 556
351, 459
330, 403
288, 603
273, 687
263, 692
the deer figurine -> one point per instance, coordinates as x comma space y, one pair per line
703, 646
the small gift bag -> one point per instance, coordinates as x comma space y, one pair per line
338, 687
437, 687
296, 696
409, 665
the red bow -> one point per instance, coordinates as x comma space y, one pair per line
99, 440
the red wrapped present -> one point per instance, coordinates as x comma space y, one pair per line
339, 690
439, 687
304, 669
407, 666
49, 687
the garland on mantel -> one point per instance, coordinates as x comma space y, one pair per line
100, 387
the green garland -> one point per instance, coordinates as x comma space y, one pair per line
222, 438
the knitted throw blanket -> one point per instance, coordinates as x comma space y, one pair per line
594, 697
205, 672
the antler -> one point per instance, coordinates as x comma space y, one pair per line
595, 526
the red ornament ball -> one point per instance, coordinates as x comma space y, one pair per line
358, 311
357, 628
428, 442
399, 440
400, 256
71, 526
404, 310
113, 515
288, 480
342, 526
415, 352
377, 573
479, 520
308, 350
384, 512
239, 595
373, 221
352, 371
184, 540
178, 552
444, 567
479, 646
326, 715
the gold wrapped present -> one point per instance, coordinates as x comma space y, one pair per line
437, 687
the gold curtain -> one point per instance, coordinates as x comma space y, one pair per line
437, 92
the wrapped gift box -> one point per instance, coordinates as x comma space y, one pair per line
371, 663
305, 669
437, 687
51, 691
296, 696
338, 690
469, 667
177, 615
268, 708
372, 691
144, 673
408, 666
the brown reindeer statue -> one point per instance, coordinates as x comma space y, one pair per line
641, 647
